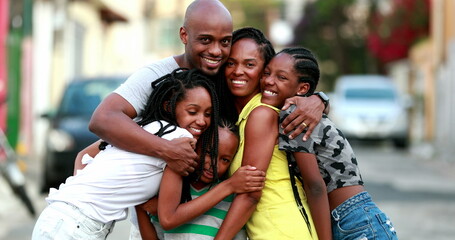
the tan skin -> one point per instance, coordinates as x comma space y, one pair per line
172, 213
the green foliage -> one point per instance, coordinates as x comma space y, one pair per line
330, 29
252, 13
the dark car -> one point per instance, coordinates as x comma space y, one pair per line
68, 131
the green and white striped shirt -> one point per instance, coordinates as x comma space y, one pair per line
203, 227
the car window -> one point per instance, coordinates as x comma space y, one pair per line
81, 98
382, 94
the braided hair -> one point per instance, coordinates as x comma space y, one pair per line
167, 92
229, 126
305, 65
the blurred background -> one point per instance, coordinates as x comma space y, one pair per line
47, 46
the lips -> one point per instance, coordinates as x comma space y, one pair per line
208, 174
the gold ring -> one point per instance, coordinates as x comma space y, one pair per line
304, 124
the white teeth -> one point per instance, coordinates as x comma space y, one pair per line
269, 93
238, 82
196, 130
211, 61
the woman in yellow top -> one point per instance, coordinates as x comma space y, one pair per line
271, 213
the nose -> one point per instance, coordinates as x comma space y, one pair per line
202, 120
237, 70
268, 80
215, 50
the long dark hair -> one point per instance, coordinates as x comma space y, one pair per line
167, 92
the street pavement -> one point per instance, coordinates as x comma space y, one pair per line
415, 190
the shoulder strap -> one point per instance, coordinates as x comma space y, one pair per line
293, 175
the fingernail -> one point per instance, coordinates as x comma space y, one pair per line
291, 137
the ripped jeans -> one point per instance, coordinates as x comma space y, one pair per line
358, 218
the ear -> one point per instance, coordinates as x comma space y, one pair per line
303, 88
183, 35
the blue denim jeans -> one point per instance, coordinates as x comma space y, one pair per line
358, 218
61, 220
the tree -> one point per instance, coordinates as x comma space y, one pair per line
392, 34
335, 30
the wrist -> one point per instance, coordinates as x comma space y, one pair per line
323, 97
227, 186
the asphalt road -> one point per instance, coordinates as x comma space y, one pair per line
416, 192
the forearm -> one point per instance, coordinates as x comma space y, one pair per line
239, 213
121, 131
319, 206
146, 227
190, 210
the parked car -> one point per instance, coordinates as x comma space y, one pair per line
68, 129
370, 107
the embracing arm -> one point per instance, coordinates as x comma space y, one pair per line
256, 138
146, 227
316, 192
112, 121
172, 213
308, 110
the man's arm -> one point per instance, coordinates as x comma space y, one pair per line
112, 121
308, 110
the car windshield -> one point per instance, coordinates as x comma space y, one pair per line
82, 97
377, 94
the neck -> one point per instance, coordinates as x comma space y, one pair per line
199, 185
182, 61
240, 102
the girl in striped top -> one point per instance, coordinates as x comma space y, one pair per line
200, 215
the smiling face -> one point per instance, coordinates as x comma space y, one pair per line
281, 81
194, 111
207, 35
227, 147
244, 69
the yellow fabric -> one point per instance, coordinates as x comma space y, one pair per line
276, 215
